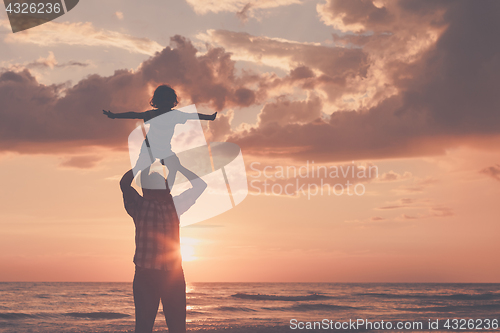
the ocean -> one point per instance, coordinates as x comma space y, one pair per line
257, 307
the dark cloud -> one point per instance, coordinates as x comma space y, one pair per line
208, 78
301, 72
492, 171
347, 135
220, 127
38, 118
337, 64
243, 13
456, 84
388, 16
73, 64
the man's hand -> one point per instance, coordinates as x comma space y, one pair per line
109, 114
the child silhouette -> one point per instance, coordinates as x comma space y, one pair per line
163, 101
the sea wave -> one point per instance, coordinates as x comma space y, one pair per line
456, 297
235, 308
195, 294
311, 307
195, 313
264, 297
116, 290
88, 315
16, 315
453, 308
97, 315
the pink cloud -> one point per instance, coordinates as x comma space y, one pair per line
236, 6
81, 162
442, 88
83, 33
39, 118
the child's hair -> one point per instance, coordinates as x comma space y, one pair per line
164, 96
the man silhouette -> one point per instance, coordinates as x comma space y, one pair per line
158, 263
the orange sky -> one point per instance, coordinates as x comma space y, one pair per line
75, 228
393, 85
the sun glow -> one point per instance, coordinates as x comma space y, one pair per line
188, 248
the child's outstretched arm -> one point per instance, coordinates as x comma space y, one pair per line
207, 116
124, 115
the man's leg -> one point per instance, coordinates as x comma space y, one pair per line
146, 299
173, 298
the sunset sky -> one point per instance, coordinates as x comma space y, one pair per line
410, 88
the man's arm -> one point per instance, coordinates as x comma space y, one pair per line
130, 195
126, 181
124, 115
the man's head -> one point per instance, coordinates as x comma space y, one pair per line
154, 185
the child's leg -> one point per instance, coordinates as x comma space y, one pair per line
144, 159
172, 163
